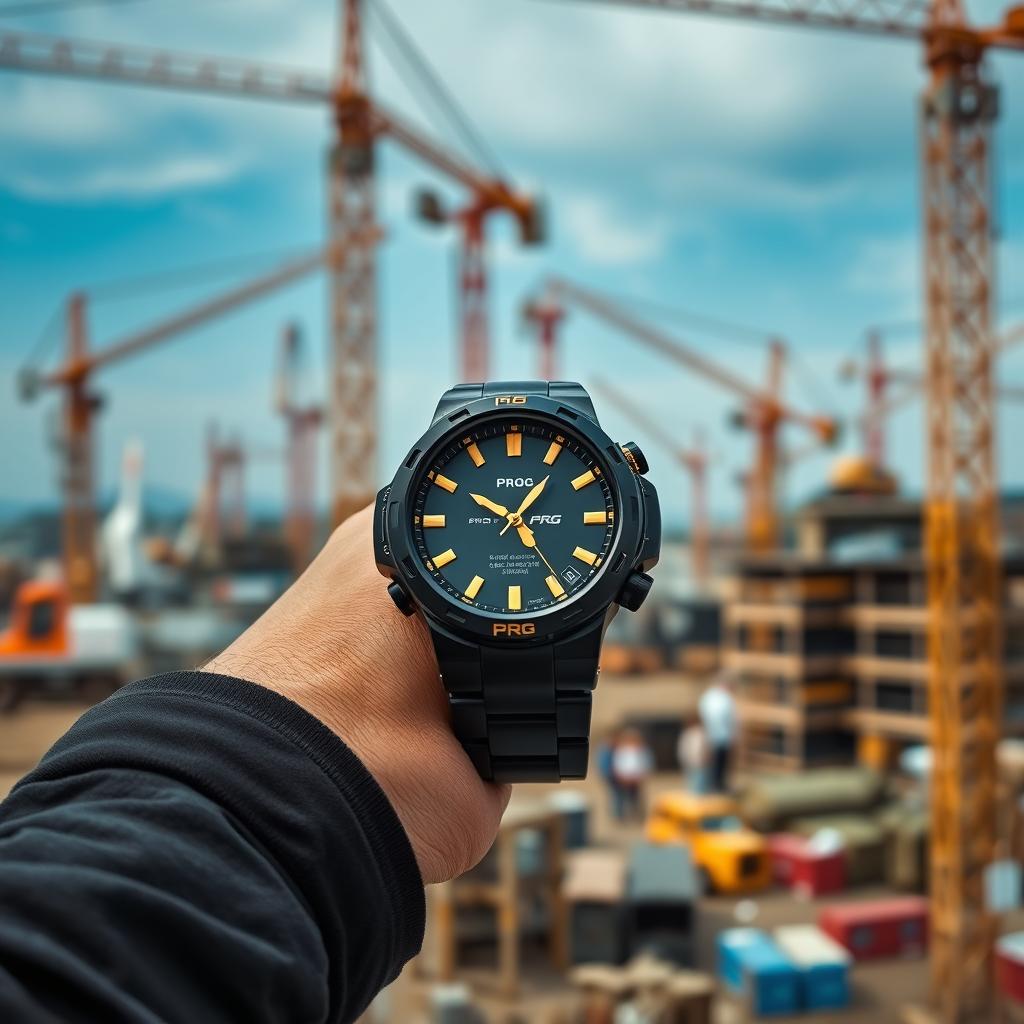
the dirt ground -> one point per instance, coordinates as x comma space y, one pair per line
28, 733
881, 990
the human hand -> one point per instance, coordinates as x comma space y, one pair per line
336, 645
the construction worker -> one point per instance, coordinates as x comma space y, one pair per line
249, 842
717, 709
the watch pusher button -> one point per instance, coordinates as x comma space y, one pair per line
635, 457
403, 602
635, 590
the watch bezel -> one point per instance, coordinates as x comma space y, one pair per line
398, 558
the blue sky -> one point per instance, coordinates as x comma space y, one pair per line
760, 175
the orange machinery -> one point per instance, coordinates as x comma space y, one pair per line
53, 646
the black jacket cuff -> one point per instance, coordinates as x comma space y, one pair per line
294, 787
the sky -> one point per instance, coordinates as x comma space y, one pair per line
762, 176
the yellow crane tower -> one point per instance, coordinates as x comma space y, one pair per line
958, 109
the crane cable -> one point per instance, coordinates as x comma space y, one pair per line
409, 53
165, 280
146, 284
46, 340
18, 10
745, 334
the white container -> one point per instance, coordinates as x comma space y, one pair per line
808, 946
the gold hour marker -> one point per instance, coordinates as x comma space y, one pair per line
581, 481
515, 598
554, 450
585, 556
556, 588
444, 558
443, 481
514, 444
475, 454
474, 587
433, 521
590, 518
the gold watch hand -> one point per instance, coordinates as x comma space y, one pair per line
531, 497
498, 510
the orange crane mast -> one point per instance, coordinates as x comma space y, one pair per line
360, 122
223, 502
958, 109
543, 315
303, 422
474, 329
764, 410
693, 460
81, 404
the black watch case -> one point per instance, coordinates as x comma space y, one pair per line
635, 546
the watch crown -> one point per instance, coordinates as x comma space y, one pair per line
635, 590
635, 457
403, 602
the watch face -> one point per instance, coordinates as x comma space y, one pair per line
513, 517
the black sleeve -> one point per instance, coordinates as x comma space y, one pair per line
200, 849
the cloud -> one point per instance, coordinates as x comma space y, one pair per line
603, 236
889, 267
175, 174
47, 113
740, 185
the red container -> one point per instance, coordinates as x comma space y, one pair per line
799, 867
895, 927
1010, 966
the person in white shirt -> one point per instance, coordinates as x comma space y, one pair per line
694, 756
631, 764
718, 714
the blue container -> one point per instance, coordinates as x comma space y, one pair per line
574, 807
752, 965
825, 987
823, 964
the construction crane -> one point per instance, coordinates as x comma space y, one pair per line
223, 511
694, 461
303, 423
764, 410
474, 330
76, 446
543, 315
360, 122
880, 376
959, 107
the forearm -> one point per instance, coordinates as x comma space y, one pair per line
200, 848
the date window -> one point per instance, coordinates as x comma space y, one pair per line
571, 576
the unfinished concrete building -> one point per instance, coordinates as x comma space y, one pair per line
828, 643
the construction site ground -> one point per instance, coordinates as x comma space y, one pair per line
882, 989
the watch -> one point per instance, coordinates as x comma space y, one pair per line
516, 528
